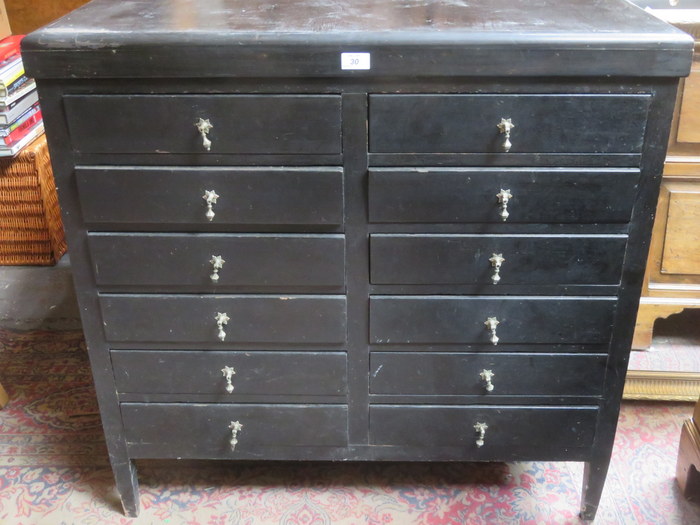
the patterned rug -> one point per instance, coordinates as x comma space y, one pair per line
54, 469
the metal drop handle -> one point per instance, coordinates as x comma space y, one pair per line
221, 320
217, 263
486, 376
235, 427
491, 324
204, 126
496, 261
228, 372
504, 126
480, 429
504, 197
210, 197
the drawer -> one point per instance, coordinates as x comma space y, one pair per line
254, 373
473, 259
439, 319
514, 432
254, 261
241, 124
470, 195
293, 319
202, 431
461, 374
562, 123
141, 196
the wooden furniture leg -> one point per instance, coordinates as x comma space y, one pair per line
689, 457
4, 398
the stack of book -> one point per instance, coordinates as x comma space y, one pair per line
20, 114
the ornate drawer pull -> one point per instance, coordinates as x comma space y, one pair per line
235, 427
229, 372
503, 197
221, 320
504, 126
491, 324
496, 261
210, 197
486, 376
481, 429
204, 126
217, 263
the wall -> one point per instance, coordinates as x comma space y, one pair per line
28, 15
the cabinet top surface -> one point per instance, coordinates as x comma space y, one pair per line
455, 20
465, 24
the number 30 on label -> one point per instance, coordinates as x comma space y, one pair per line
354, 60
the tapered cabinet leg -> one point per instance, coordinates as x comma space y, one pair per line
127, 486
594, 475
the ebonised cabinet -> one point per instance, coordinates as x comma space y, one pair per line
367, 230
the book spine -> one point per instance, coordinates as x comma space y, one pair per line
18, 84
6, 130
33, 133
21, 87
18, 107
11, 74
25, 127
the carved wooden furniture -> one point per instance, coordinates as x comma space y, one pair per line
359, 230
4, 398
672, 279
688, 464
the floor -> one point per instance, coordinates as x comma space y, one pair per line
54, 469
38, 297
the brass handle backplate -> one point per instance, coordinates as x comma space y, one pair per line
221, 320
210, 197
228, 372
217, 263
504, 126
204, 126
480, 429
491, 324
496, 261
235, 427
486, 376
504, 197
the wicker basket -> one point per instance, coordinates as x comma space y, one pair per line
31, 230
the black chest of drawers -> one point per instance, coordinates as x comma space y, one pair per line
376, 230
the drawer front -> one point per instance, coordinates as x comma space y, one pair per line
440, 319
461, 374
513, 432
255, 261
294, 319
246, 196
466, 195
542, 123
202, 431
472, 259
254, 373
241, 124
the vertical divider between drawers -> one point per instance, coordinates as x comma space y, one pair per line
357, 264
